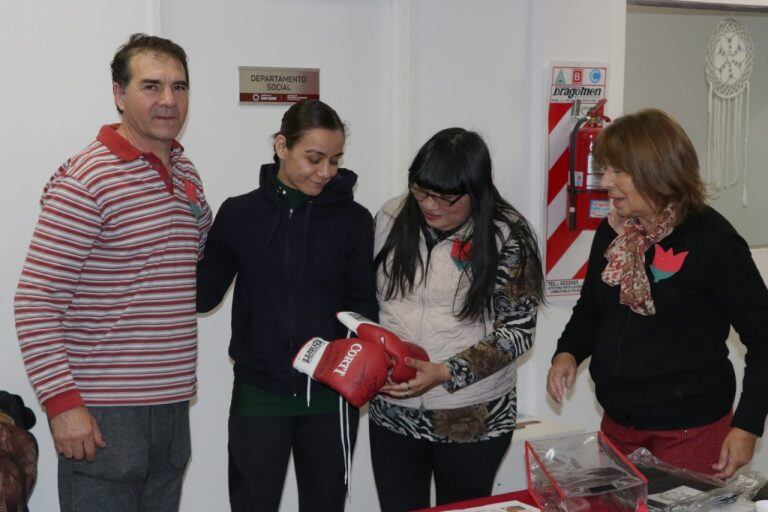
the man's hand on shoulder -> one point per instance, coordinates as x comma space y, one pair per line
76, 434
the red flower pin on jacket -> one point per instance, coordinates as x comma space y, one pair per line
194, 203
461, 253
666, 263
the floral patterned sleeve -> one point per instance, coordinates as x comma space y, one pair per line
514, 325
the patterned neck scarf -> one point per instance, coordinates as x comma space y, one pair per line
626, 258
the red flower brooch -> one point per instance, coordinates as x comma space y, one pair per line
666, 263
191, 192
461, 253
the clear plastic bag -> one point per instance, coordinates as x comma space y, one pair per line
583, 472
673, 489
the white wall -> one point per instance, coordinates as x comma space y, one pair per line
396, 70
599, 37
55, 94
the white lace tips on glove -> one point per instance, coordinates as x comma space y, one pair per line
352, 320
309, 355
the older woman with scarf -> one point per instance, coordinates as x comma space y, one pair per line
667, 277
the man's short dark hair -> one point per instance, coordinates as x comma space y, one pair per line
140, 43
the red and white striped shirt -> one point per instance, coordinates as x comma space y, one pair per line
105, 307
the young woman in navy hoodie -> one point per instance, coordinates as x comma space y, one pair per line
299, 249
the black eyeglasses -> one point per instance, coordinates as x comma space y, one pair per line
420, 194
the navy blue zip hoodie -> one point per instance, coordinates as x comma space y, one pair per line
295, 269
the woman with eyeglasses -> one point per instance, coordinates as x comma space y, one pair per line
459, 273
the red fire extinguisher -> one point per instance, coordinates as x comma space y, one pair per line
588, 202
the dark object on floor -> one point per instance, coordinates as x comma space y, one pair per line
13, 406
18, 453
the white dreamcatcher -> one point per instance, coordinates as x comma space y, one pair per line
729, 63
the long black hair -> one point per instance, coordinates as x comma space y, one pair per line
456, 161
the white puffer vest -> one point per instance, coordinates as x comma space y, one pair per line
427, 317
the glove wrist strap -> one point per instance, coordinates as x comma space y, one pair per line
309, 356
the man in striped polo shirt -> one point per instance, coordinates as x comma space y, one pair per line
105, 308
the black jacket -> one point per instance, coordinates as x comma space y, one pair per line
295, 269
671, 370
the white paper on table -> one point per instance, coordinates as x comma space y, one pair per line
507, 506
671, 496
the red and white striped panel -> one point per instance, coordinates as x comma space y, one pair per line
567, 250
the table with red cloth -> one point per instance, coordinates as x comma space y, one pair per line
521, 496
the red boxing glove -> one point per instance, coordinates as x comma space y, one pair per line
396, 348
355, 368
